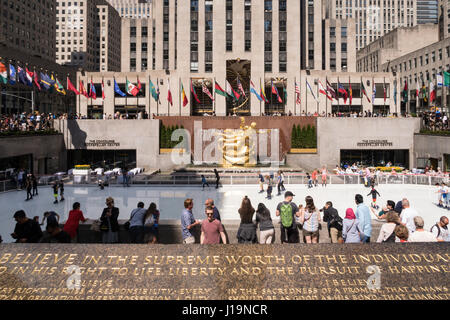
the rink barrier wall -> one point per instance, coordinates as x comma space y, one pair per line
170, 232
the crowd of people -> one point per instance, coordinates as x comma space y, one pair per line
26, 122
435, 121
303, 220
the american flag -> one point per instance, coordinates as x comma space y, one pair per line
297, 91
205, 90
240, 87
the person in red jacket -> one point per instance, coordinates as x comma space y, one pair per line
71, 225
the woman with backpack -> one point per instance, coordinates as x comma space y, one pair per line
310, 219
266, 228
350, 228
387, 233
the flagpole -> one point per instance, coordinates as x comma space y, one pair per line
91, 92
126, 96
317, 102
168, 104
214, 92
295, 95
384, 93
179, 94
326, 100
306, 95
149, 98
103, 93
271, 95
260, 107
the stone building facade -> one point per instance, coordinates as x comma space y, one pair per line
88, 35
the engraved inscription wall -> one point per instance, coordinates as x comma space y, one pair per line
233, 272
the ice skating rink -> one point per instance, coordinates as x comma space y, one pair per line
169, 200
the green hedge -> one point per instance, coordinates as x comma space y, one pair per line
165, 135
304, 137
436, 133
28, 133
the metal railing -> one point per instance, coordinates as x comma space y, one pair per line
232, 179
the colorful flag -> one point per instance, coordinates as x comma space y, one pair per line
116, 89
263, 94
139, 85
3, 74
12, 74
374, 91
363, 90
342, 91
439, 80
446, 79
153, 91
231, 92
405, 92
331, 90
22, 76
169, 93
36, 80
47, 82
322, 90
253, 90
157, 91
71, 87
59, 87
432, 91
103, 90
205, 90
384, 92
29, 76
310, 90
297, 93
194, 93
240, 87
350, 93
417, 89
395, 92
83, 90
275, 91
183, 96
219, 90
132, 89
92, 92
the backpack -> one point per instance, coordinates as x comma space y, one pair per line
439, 229
286, 215
337, 222
391, 238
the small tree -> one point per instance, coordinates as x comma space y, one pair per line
294, 137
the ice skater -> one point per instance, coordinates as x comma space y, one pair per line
61, 190
261, 183
310, 182
29, 186
55, 192
269, 187
35, 185
216, 173
324, 176
204, 182
374, 194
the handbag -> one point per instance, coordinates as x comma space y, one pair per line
95, 226
126, 225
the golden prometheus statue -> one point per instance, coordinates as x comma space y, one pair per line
239, 145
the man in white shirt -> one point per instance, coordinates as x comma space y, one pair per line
440, 229
407, 216
420, 235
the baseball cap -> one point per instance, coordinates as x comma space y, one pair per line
288, 194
